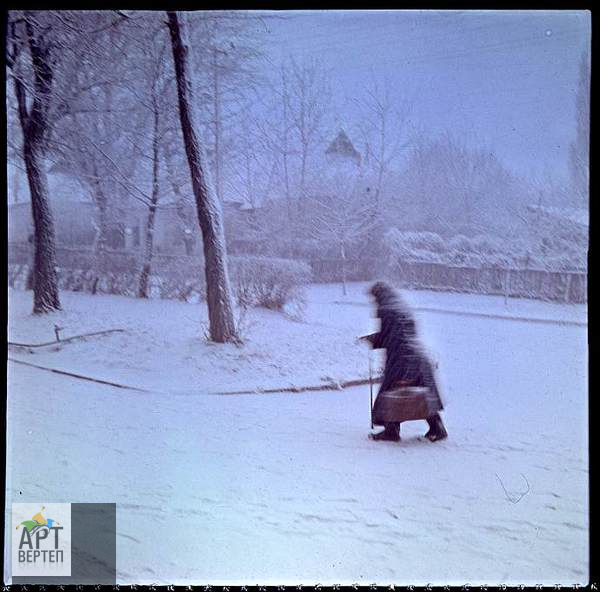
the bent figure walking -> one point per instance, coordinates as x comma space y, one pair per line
406, 363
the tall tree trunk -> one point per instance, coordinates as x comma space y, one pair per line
149, 240
34, 124
218, 290
101, 239
45, 280
343, 258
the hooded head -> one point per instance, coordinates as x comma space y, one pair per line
386, 296
383, 293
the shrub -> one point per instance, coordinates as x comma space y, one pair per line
474, 260
180, 278
486, 245
417, 246
180, 286
106, 282
457, 257
564, 262
502, 260
407, 242
269, 282
461, 243
428, 241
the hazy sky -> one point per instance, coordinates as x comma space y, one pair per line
505, 79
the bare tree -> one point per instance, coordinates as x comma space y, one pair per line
308, 95
292, 140
31, 59
271, 141
384, 130
579, 152
457, 188
256, 170
343, 214
184, 206
224, 67
219, 300
46, 53
156, 102
151, 218
102, 139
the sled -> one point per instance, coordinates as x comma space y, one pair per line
405, 404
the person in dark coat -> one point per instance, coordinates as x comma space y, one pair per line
406, 362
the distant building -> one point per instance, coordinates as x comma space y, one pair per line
71, 221
343, 170
175, 231
342, 151
342, 159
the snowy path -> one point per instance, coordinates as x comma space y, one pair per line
287, 489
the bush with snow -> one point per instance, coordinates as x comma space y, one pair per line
461, 244
413, 246
564, 251
502, 260
180, 284
269, 282
486, 245
407, 242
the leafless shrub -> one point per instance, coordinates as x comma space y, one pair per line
270, 283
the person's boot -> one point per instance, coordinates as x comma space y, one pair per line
437, 430
432, 426
390, 434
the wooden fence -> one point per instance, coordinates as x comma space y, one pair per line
561, 286
542, 284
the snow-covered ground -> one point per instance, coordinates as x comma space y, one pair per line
286, 488
164, 346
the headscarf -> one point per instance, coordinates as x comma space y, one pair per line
387, 298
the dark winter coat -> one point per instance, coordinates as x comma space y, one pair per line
406, 363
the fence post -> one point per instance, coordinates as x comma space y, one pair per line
568, 288
506, 285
